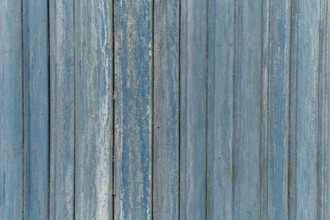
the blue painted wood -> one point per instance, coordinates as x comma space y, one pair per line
247, 109
304, 146
93, 109
166, 110
62, 110
323, 174
133, 146
275, 110
36, 98
220, 109
11, 110
193, 108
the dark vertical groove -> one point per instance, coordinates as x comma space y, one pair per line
289, 111
152, 84
322, 87
113, 108
74, 108
179, 111
325, 92
294, 40
49, 105
206, 107
233, 112
23, 107
233, 168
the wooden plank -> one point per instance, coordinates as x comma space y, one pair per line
305, 62
36, 140
275, 109
93, 110
133, 42
166, 110
62, 109
247, 109
11, 110
323, 174
193, 107
220, 109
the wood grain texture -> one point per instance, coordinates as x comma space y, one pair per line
247, 109
36, 95
93, 109
62, 109
305, 71
275, 109
11, 110
324, 107
133, 147
193, 108
166, 110
220, 109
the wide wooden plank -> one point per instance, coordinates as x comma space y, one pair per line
220, 109
305, 63
275, 109
193, 108
62, 109
36, 95
166, 110
247, 109
133, 131
11, 110
93, 109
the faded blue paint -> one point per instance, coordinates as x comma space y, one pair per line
193, 108
133, 109
11, 110
166, 110
173, 110
36, 124
93, 110
61, 204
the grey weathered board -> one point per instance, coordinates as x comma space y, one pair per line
154, 109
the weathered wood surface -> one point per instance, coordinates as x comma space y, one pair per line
11, 110
220, 109
193, 108
150, 109
166, 143
133, 109
93, 109
62, 101
36, 109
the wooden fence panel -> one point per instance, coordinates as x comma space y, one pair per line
151, 109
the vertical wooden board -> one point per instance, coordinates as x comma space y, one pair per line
11, 110
275, 110
247, 109
305, 144
133, 147
193, 109
62, 110
324, 109
36, 140
93, 109
166, 110
220, 109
